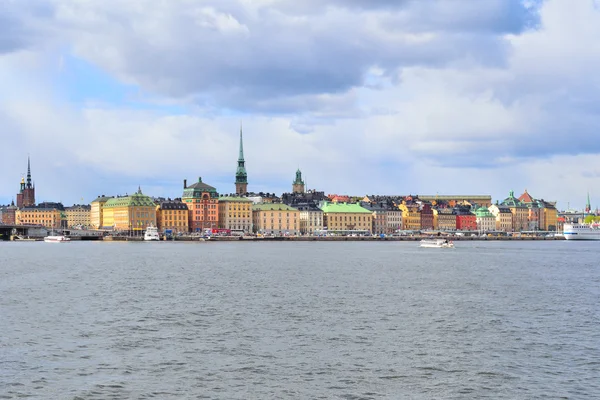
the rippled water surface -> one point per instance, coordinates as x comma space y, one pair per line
299, 320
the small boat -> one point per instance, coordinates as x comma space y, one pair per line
437, 243
151, 233
57, 239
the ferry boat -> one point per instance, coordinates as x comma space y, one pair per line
582, 231
437, 243
57, 239
151, 233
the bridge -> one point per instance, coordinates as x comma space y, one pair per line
38, 231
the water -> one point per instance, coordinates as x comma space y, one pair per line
310, 320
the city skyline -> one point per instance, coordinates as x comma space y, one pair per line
472, 97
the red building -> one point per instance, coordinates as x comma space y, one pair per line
466, 221
202, 201
26, 195
426, 216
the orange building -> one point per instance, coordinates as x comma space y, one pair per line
202, 201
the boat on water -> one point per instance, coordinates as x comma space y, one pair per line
437, 243
151, 234
582, 231
57, 239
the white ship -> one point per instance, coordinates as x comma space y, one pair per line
56, 239
582, 231
437, 243
151, 233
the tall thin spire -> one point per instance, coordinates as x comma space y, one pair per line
28, 173
241, 156
588, 206
241, 177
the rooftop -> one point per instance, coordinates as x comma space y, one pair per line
344, 208
272, 207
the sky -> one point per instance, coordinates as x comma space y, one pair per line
366, 97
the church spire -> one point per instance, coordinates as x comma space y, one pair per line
29, 186
241, 177
588, 206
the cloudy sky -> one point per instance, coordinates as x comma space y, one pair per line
365, 96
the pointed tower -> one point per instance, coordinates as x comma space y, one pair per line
298, 184
588, 206
241, 177
26, 195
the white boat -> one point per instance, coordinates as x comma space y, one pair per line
151, 233
57, 239
437, 243
582, 231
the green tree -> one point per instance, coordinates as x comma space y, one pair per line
591, 218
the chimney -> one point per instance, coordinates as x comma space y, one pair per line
185, 183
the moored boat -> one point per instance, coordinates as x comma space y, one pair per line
151, 234
582, 231
57, 239
437, 243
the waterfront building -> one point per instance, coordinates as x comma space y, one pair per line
550, 216
504, 217
78, 216
465, 219
411, 215
241, 176
486, 221
97, 212
9, 214
172, 215
47, 214
456, 200
133, 213
298, 184
393, 219
426, 214
235, 213
202, 201
346, 218
311, 218
26, 195
275, 219
445, 219
542, 214
379, 224
520, 213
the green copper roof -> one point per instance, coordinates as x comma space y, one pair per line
483, 212
512, 201
298, 180
273, 207
135, 200
196, 190
344, 208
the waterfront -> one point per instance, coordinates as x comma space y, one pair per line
299, 320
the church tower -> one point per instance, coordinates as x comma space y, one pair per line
26, 195
241, 177
588, 206
298, 184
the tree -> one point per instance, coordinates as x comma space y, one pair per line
591, 218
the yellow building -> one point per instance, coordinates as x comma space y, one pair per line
129, 213
444, 219
520, 213
346, 218
275, 219
172, 215
504, 217
78, 216
49, 215
411, 216
96, 212
235, 213
454, 200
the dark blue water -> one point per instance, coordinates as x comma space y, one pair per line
311, 320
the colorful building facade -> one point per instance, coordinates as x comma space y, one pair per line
202, 201
173, 216
275, 219
346, 218
132, 213
235, 213
78, 216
